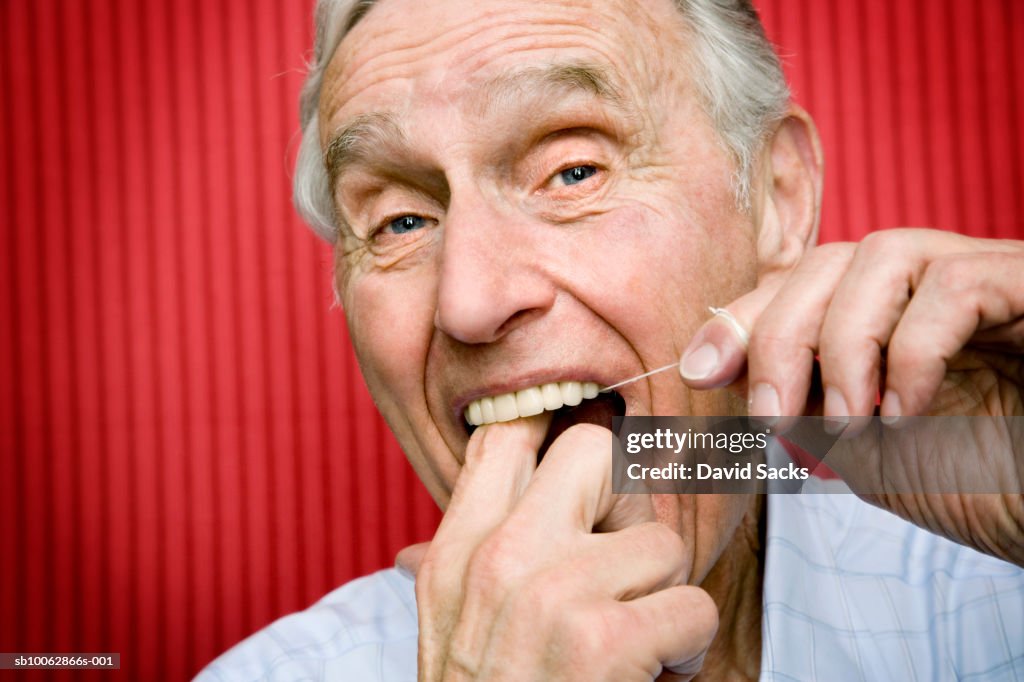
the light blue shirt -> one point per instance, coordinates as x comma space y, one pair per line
850, 593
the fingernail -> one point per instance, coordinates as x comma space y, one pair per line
891, 410
764, 403
837, 414
700, 363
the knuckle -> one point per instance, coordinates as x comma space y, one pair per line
586, 633
778, 352
903, 355
897, 357
837, 347
771, 334
954, 276
496, 561
432, 578
885, 243
892, 258
831, 254
875, 244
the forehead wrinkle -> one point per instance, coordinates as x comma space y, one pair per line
547, 82
369, 133
359, 139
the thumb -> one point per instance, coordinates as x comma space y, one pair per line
408, 560
717, 354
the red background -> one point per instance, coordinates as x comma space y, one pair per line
186, 448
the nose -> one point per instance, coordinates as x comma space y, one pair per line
491, 276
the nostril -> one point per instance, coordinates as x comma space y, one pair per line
516, 320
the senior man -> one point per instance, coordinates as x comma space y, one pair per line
529, 200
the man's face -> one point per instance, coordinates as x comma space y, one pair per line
529, 193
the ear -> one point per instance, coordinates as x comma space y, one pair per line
790, 195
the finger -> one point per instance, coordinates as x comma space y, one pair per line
572, 488
623, 565
785, 338
717, 354
957, 297
409, 558
677, 625
599, 639
568, 494
500, 459
634, 561
865, 309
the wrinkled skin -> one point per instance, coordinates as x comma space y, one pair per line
471, 261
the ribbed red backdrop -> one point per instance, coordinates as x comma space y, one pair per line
186, 448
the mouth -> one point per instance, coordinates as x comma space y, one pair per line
572, 402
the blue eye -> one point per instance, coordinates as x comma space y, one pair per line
577, 174
406, 223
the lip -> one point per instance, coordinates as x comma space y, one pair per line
528, 380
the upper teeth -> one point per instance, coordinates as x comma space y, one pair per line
528, 402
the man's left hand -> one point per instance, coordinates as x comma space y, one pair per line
933, 321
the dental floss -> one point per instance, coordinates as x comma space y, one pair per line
722, 312
638, 377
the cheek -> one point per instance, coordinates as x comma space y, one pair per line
636, 248
664, 267
390, 322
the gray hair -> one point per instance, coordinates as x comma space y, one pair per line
738, 76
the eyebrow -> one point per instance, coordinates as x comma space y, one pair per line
369, 133
358, 139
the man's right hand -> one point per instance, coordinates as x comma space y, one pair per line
518, 585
